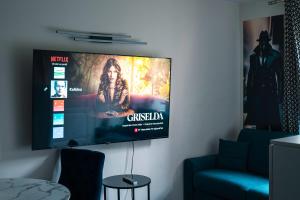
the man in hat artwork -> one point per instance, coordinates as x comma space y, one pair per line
264, 86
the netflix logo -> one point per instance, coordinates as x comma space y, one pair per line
63, 59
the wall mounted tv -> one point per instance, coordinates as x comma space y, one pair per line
90, 98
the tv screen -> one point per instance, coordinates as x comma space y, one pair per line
90, 98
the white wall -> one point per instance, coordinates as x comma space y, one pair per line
201, 36
258, 9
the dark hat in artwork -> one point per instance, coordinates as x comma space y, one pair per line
264, 36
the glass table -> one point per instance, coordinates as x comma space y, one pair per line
32, 189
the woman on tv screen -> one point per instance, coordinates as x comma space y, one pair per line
113, 95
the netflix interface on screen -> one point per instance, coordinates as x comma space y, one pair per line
88, 98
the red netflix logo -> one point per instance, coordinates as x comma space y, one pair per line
63, 59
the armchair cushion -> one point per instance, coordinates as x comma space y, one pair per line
232, 155
259, 193
228, 184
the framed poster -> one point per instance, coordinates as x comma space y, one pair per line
263, 43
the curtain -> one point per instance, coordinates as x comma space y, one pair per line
291, 98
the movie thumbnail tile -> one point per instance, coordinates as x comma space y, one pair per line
58, 119
58, 105
58, 132
59, 72
59, 89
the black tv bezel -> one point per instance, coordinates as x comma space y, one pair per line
35, 55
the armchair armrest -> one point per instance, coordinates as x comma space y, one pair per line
193, 165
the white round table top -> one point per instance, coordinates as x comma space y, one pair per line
32, 189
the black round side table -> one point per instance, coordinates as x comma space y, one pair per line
117, 182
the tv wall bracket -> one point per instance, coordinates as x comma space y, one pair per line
107, 38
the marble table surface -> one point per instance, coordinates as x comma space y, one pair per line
32, 189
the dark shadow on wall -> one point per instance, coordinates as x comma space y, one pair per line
39, 164
177, 185
45, 170
21, 81
16, 139
17, 135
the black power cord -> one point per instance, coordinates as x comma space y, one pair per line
132, 159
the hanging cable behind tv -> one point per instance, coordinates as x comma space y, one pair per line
129, 178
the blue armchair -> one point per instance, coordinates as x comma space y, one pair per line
205, 179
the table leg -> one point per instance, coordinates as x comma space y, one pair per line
118, 194
148, 192
132, 193
104, 193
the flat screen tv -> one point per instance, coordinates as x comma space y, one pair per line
91, 98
